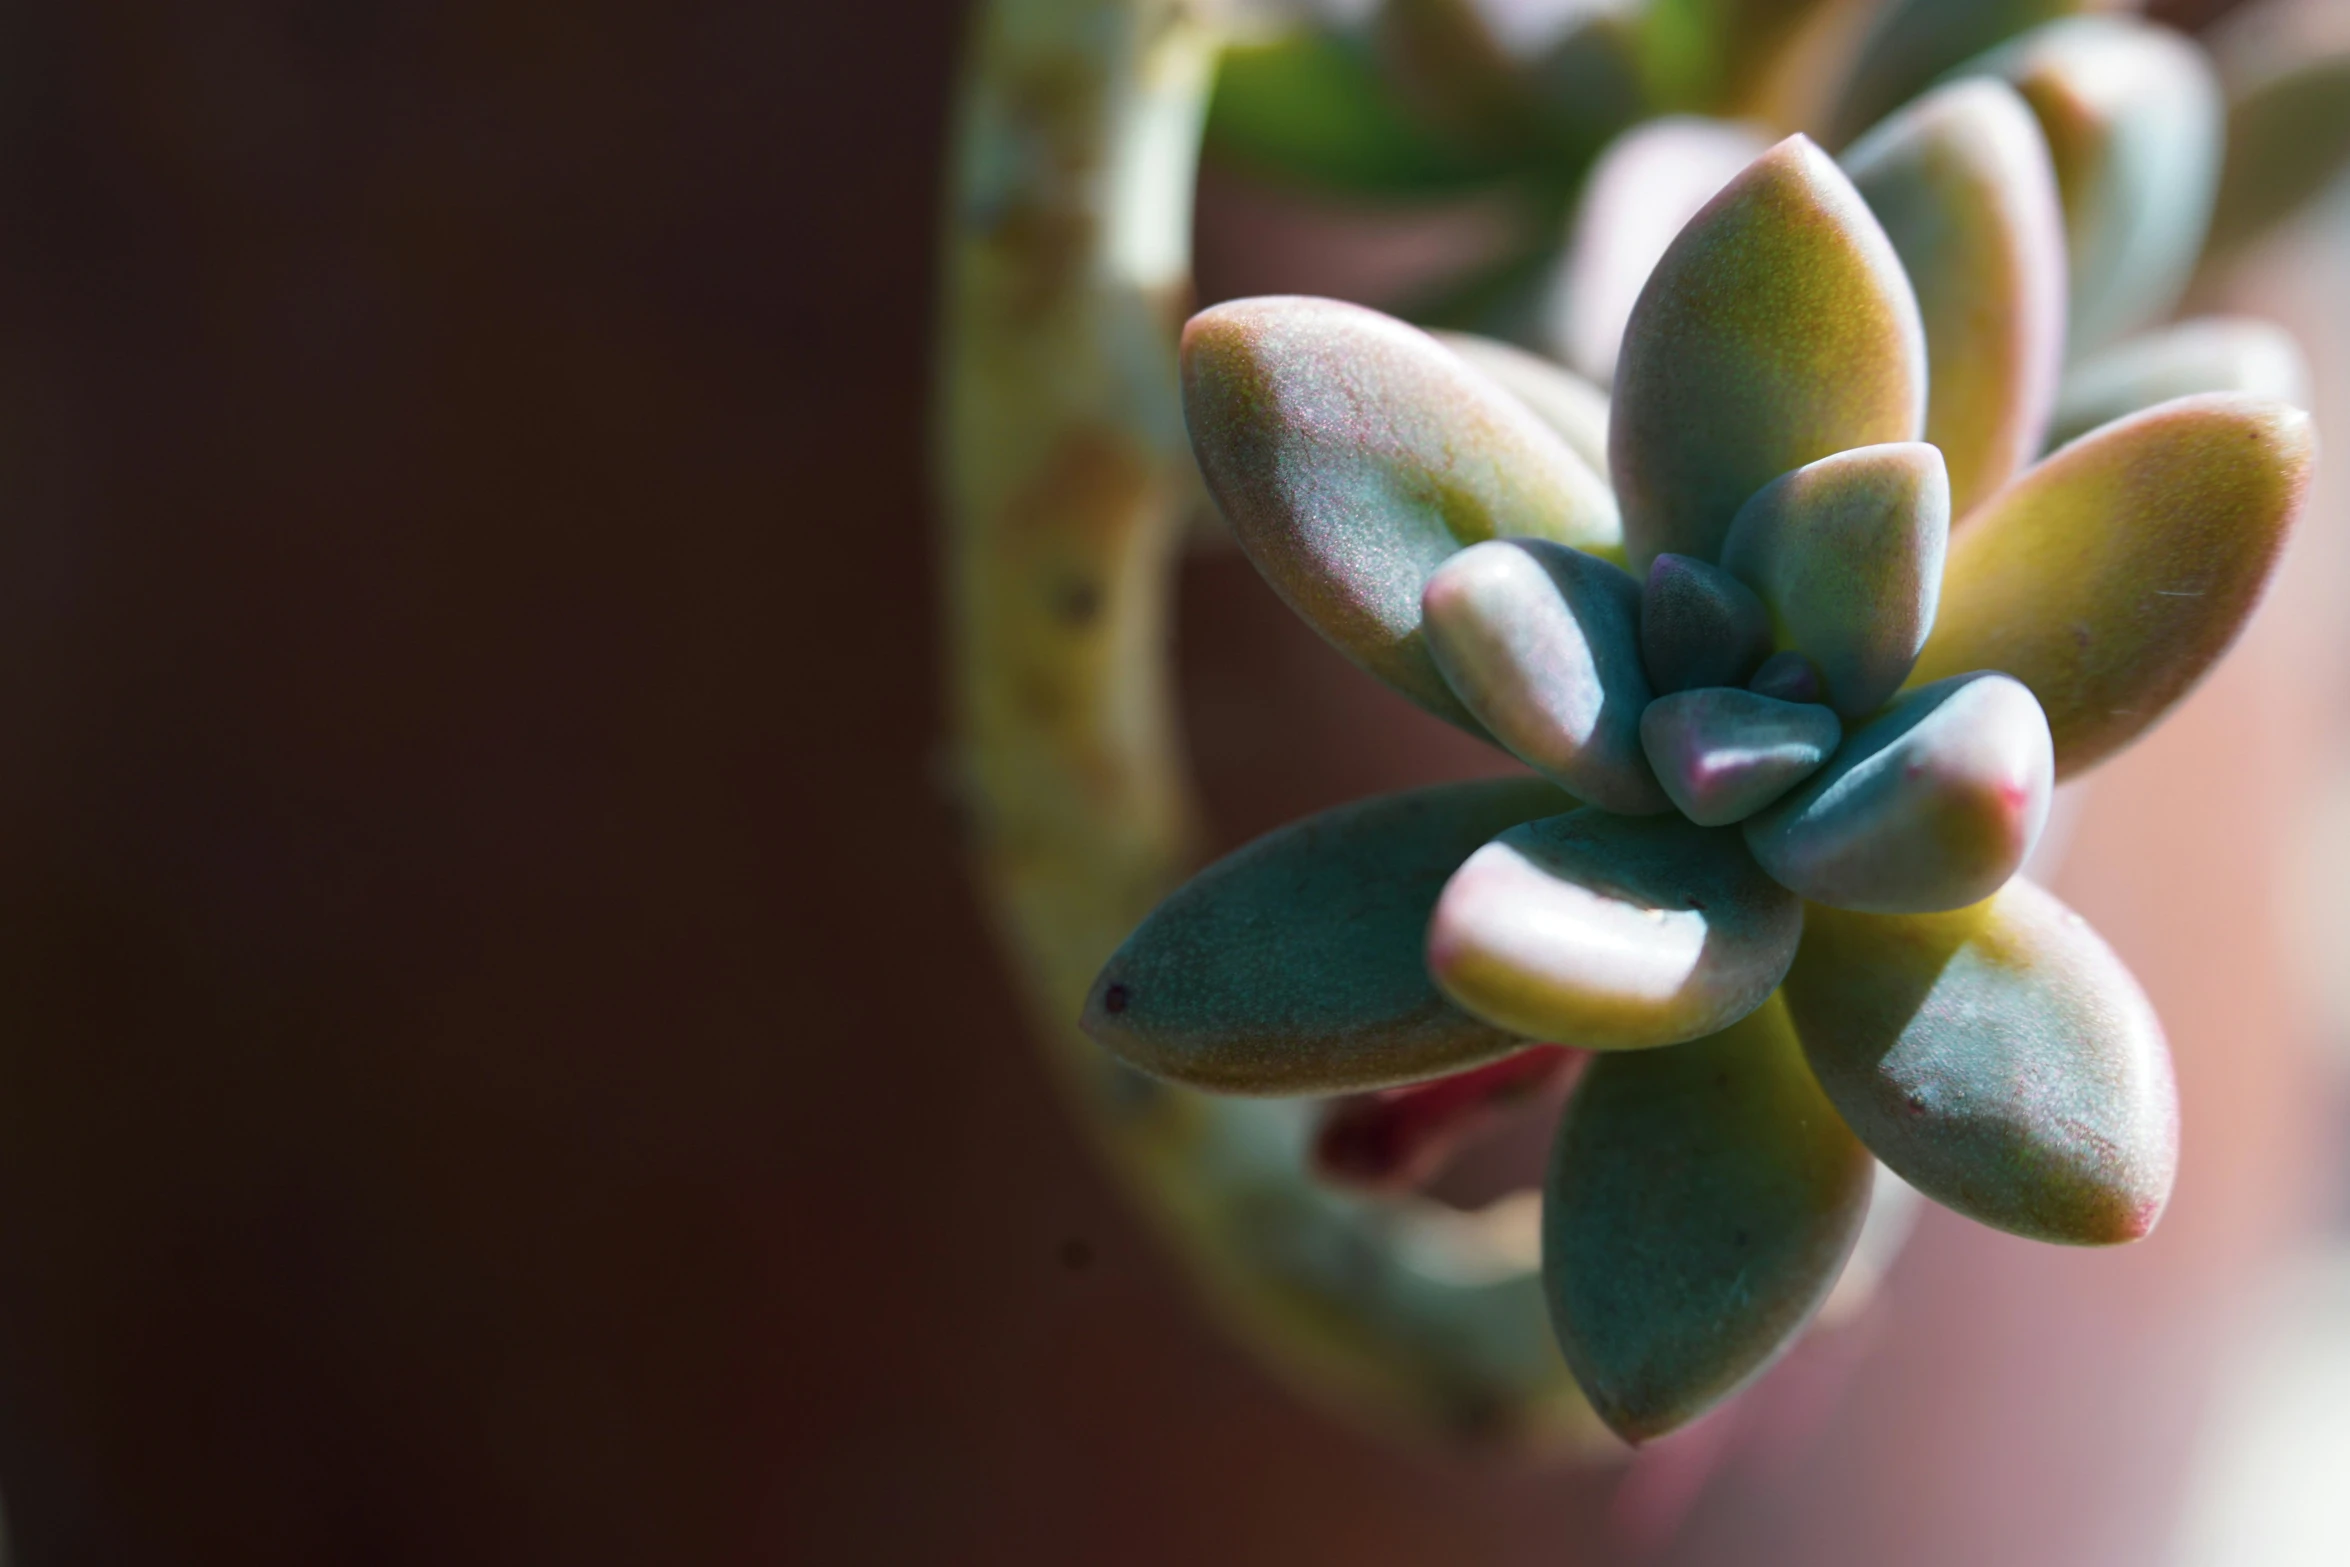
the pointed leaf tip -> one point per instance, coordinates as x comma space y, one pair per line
1541, 643
1723, 754
2112, 576
1933, 806
1963, 184
1846, 554
1294, 965
1999, 1058
1609, 932
1643, 189
1353, 454
1777, 330
1700, 1203
2134, 122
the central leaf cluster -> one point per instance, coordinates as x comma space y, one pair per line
1796, 680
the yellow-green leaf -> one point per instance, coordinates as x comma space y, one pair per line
1778, 329
1572, 406
1962, 183
2111, 576
1641, 192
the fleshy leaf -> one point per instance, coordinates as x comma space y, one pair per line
1777, 330
1611, 932
1542, 644
1999, 1058
2134, 122
1724, 754
1700, 1204
2208, 354
1915, 41
1790, 677
1846, 555
1642, 191
2286, 68
1395, 1139
1294, 966
1933, 806
2111, 576
1962, 183
1353, 454
1700, 626
1566, 402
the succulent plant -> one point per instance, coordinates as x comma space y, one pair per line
2045, 178
1792, 684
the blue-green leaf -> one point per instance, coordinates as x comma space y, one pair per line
1933, 806
1999, 1058
1700, 1204
1294, 966
1700, 626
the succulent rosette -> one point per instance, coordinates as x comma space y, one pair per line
1794, 634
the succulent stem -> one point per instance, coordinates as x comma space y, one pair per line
1065, 476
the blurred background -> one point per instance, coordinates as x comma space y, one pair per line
499, 1060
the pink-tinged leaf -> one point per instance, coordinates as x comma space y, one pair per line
1354, 454
1612, 932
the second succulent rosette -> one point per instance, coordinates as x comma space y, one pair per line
1794, 683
